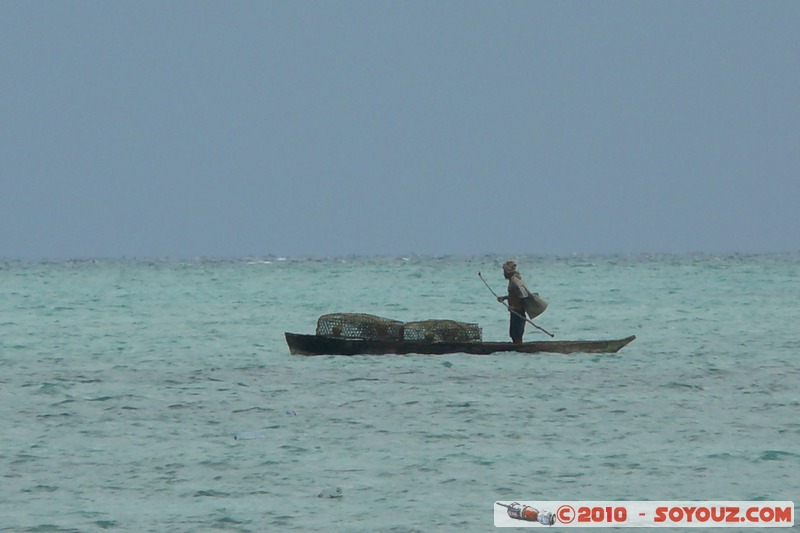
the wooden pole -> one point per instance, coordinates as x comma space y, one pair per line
511, 310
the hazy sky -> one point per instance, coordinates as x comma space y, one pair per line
328, 128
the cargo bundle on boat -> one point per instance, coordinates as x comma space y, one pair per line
359, 333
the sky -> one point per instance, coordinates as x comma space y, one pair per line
189, 129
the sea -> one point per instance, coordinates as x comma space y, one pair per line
160, 395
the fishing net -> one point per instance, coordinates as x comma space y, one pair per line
359, 326
441, 331
371, 327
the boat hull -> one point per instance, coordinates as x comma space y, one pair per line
300, 344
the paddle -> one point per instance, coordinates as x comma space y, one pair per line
507, 307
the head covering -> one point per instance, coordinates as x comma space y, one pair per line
509, 267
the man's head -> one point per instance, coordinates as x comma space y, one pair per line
509, 269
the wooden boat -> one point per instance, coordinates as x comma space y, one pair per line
321, 345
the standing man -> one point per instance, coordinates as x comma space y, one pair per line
517, 292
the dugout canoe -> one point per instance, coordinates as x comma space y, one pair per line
300, 344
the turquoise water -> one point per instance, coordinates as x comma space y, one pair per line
160, 396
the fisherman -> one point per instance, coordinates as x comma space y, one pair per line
517, 293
